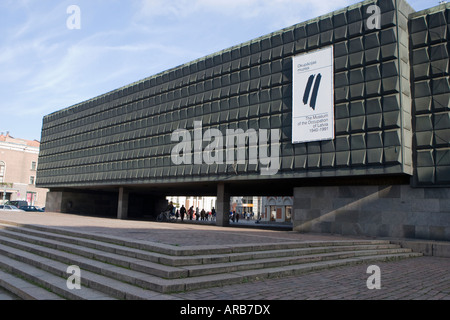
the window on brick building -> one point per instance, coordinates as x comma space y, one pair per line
2, 171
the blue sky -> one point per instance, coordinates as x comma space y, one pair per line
45, 66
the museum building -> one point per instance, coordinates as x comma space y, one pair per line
348, 113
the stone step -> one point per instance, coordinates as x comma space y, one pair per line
232, 263
301, 248
111, 280
24, 289
170, 250
106, 247
117, 268
138, 286
290, 252
42, 246
8, 296
305, 248
119, 272
43, 279
96, 286
197, 255
198, 270
134, 276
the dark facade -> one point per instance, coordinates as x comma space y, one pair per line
392, 118
124, 136
430, 82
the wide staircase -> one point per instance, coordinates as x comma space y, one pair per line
34, 263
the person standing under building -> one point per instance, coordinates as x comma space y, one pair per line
202, 214
182, 212
213, 214
169, 208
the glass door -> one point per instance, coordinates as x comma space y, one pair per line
288, 213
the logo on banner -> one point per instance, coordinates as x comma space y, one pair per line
315, 91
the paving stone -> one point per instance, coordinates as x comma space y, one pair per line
285, 245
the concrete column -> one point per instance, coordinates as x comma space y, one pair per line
54, 201
122, 208
223, 205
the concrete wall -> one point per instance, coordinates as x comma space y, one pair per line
135, 205
379, 211
430, 47
79, 202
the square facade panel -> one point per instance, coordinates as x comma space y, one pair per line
373, 55
441, 102
442, 137
374, 121
340, 19
443, 174
343, 158
437, 34
375, 156
440, 68
426, 175
358, 157
425, 158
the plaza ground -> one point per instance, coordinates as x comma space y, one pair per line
421, 278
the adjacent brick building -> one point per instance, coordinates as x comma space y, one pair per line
18, 167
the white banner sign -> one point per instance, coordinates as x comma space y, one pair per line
313, 96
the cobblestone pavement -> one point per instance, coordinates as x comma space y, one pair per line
423, 278
417, 278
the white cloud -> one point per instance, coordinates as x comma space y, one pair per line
258, 17
240, 8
